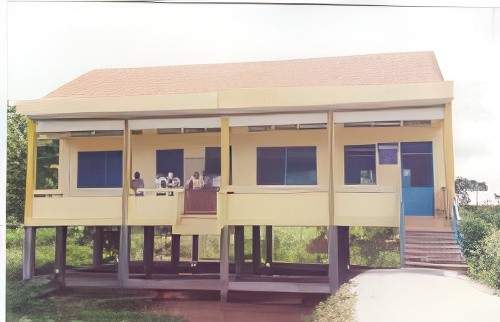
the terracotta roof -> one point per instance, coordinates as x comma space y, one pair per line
375, 69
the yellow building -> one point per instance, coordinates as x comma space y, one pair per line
332, 142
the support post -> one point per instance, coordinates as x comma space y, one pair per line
255, 248
123, 263
343, 235
221, 207
239, 249
30, 170
149, 233
333, 242
224, 263
194, 249
60, 253
29, 252
97, 246
175, 249
449, 165
269, 245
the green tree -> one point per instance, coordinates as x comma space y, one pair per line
16, 165
463, 186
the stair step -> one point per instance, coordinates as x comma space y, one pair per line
431, 242
435, 260
413, 233
433, 251
460, 267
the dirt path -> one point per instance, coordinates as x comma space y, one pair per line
214, 311
423, 295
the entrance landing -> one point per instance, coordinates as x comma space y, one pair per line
432, 223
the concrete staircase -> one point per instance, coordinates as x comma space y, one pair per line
433, 249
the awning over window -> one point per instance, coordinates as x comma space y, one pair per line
79, 125
403, 114
278, 119
195, 122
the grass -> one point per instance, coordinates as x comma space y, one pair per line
34, 300
339, 307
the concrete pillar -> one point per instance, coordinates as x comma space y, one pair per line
194, 249
148, 254
123, 256
255, 248
175, 249
29, 252
344, 257
224, 263
239, 249
333, 258
269, 244
97, 246
60, 253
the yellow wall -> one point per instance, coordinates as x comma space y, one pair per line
375, 205
244, 149
389, 176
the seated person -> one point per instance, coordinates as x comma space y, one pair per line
195, 182
137, 183
172, 182
161, 182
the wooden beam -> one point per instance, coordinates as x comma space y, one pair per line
97, 246
286, 287
194, 248
148, 254
124, 232
256, 248
175, 249
269, 244
29, 244
60, 253
30, 170
224, 263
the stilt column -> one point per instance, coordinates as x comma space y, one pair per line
29, 252
60, 254
255, 248
149, 233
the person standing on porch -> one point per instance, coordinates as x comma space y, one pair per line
137, 183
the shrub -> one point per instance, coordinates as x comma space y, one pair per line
339, 307
487, 266
473, 230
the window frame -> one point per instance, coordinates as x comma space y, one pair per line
374, 146
285, 165
106, 186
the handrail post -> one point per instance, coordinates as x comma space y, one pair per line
402, 235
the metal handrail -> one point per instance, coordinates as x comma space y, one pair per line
455, 221
402, 235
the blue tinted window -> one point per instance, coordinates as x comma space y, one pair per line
170, 161
286, 166
359, 164
99, 169
388, 153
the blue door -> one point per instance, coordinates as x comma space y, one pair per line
417, 178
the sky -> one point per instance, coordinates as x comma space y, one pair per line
50, 44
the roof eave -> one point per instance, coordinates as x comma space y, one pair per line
245, 100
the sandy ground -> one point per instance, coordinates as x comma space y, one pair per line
423, 295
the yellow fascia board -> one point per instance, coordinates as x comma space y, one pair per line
340, 97
266, 99
116, 106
